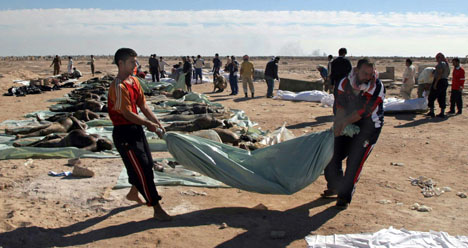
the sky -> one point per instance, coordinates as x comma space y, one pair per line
257, 28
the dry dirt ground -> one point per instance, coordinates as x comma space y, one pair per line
37, 210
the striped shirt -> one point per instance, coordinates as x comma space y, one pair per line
368, 102
124, 95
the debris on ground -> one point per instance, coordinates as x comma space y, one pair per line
461, 194
427, 186
193, 193
223, 225
79, 171
384, 201
420, 208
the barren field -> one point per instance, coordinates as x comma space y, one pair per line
37, 210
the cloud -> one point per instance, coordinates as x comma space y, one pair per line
96, 31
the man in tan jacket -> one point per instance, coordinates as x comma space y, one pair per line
246, 73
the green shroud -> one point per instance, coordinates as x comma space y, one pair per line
284, 168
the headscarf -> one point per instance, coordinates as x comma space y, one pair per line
353, 77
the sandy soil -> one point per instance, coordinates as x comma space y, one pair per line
37, 210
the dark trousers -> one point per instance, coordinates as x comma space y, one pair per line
270, 85
440, 94
188, 81
130, 141
154, 74
356, 150
162, 74
233, 82
56, 70
456, 99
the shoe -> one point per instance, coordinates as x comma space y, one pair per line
451, 112
252, 95
329, 193
459, 113
430, 114
246, 95
441, 115
231, 94
341, 204
269, 96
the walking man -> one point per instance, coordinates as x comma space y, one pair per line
125, 95
359, 101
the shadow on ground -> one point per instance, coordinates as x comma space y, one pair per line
320, 120
258, 224
421, 122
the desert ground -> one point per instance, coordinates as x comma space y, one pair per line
37, 210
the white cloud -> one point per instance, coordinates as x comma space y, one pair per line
95, 31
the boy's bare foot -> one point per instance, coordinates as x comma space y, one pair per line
133, 196
160, 214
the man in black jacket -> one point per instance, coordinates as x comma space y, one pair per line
187, 69
271, 73
154, 67
340, 68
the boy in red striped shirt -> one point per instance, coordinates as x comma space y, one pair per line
458, 81
125, 95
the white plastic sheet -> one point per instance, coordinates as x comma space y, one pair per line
388, 238
308, 96
279, 135
393, 104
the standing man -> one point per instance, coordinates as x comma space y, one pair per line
70, 65
439, 86
328, 84
57, 62
154, 67
199, 63
92, 64
340, 68
408, 80
162, 63
216, 64
187, 69
458, 82
125, 95
246, 73
233, 68
271, 73
359, 101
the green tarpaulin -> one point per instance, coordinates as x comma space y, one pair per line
284, 168
173, 177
